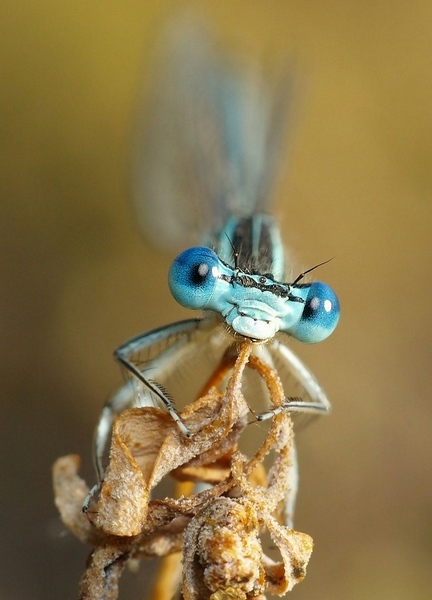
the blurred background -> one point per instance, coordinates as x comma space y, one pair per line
77, 279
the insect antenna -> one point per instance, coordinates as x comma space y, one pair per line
300, 277
235, 252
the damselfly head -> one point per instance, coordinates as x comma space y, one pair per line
252, 305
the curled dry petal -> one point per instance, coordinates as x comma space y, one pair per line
124, 495
147, 445
70, 491
296, 549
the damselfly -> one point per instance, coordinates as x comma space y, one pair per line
206, 167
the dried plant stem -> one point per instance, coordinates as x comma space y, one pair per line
168, 578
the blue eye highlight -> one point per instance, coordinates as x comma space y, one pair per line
193, 276
320, 314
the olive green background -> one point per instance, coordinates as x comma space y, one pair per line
77, 279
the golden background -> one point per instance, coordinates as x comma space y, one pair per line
77, 279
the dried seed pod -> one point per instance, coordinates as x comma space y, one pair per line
222, 550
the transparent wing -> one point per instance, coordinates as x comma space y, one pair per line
209, 140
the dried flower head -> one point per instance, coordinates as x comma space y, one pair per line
218, 525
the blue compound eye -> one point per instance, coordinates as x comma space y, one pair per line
320, 314
193, 277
